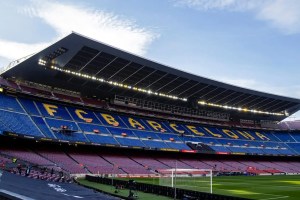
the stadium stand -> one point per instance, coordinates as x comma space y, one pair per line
69, 123
78, 120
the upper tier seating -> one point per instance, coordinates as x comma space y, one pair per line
18, 123
10, 103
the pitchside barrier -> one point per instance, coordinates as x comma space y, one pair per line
162, 190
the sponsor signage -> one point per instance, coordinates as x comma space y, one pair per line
167, 149
189, 151
238, 153
223, 153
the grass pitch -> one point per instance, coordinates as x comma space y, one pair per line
123, 193
252, 187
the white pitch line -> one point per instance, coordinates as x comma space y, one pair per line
235, 183
282, 197
256, 193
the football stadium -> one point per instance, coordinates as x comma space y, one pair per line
84, 120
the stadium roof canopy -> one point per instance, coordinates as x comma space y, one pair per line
82, 64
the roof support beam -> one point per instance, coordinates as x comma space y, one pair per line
198, 91
208, 92
89, 61
259, 102
276, 104
188, 89
145, 77
107, 65
226, 103
279, 108
178, 86
225, 97
86, 64
119, 70
216, 95
133, 73
100, 71
258, 108
157, 80
242, 100
167, 84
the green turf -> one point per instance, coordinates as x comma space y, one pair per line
252, 187
123, 192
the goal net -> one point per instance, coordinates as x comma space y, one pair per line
190, 179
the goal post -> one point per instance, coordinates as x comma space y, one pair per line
191, 179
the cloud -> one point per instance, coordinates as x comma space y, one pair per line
64, 18
233, 5
12, 50
281, 14
103, 26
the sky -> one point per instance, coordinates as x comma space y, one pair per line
248, 43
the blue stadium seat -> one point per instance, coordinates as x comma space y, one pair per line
119, 121
99, 139
209, 140
121, 131
145, 134
43, 126
80, 115
255, 150
130, 142
125, 120
179, 146
58, 111
238, 149
179, 127
167, 130
284, 137
29, 106
271, 136
10, 103
167, 136
190, 139
86, 122
271, 151
220, 149
57, 124
75, 137
18, 123
92, 128
296, 136
295, 147
155, 144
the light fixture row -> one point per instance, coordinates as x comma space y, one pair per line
147, 91
204, 103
